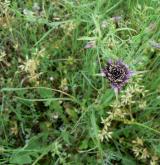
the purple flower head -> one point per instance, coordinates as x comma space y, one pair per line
90, 44
116, 18
117, 73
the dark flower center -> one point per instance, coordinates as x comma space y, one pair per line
116, 72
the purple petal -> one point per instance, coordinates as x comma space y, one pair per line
90, 44
116, 18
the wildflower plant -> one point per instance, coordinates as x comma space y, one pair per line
53, 110
117, 74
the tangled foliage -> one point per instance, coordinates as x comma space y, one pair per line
56, 108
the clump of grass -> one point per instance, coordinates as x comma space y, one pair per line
54, 107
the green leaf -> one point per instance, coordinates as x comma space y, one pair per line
37, 142
55, 106
21, 158
45, 93
84, 144
65, 135
72, 113
106, 98
128, 161
157, 149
